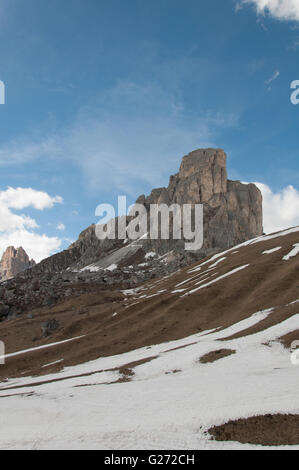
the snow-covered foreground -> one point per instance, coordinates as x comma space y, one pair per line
170, 402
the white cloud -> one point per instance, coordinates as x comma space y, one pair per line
60, 227
286, 10
281, 210
18, 229
19, 198
36, 246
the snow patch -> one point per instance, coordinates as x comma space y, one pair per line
112, 267
292, 253
19, 353
157, 409
52, 363
218, 279
92, 268
268, 252
217, 262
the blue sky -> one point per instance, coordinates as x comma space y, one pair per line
104, 98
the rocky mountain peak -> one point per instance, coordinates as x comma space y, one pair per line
232, 214
202, 175
13, 261
201, 161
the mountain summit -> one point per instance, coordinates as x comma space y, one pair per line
14, 260
232, 210
232, 214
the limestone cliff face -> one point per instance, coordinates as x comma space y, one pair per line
13, 262
232, 210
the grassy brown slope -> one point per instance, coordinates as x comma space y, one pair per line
267, 430
267, 282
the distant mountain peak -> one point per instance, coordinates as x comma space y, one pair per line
13, 261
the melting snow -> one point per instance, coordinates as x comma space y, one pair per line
156, 409
53, 363
292, 253
112, 267
91, 268
268, 252
218, 279
219, 261
248, 242
18, 353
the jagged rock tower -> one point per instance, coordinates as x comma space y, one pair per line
232, 215
13, 262
232, 210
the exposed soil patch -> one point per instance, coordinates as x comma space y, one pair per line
267, 430
215, 355
288, 339
127, 371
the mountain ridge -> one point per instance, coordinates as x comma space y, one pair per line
232, 214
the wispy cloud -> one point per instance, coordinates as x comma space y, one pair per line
133, 135
24, 151
273, 77
261, 23
295, 44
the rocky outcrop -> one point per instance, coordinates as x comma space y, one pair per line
13, 262
232, 215
232, 210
